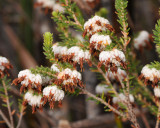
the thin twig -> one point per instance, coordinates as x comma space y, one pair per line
8, 104
5, 119
103, 102
20, 118
158, 117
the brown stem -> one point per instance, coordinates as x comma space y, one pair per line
21, 115
8, 104
158, 117
103, 102
5, 119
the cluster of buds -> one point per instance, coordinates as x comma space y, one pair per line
99, 42
100, 89
4, 66
49, 5
150, 76
114, 75
52, 94
73, 55
112, 60
34, 100
122, 98
69, 79
95, 25
142, 41
30, 81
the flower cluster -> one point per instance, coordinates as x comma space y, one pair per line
142, 40
95, 25
49, 4
102, 89
34, 100
122, 97
52, 94
114, 75
150, 75
99, 42
112, 59
4, 66
73, 55
69, 79
29, 80
39, 89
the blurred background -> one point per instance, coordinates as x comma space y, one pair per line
22, 26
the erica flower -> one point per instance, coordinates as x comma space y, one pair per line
99, 42
102, 89
69, 79
4, 66
34, 100
52, 94
73, 55
29, 80
49, 4
150, 75
122, 97
113, 75
142, 40
157, 91
54, 68
112, 59
96, 24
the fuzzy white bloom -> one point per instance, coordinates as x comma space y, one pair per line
150, 73
33, 100
102, 89
123, 98
102, 40
30, 78
73, 50
140, 41
58, 7
45, 80
157, 91
96, 24
112, 56
54, 68
3, 60
51, 4
57, 93
87, 55
72, 74
113, 75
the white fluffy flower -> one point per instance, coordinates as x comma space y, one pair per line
150, 73
3, 61
140, 41
102, 89
33, 100
30, 78
51, 4
100, 41
54, 68
157, 91
112, 57
113, 75
123, 98
95, 25
57, 94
